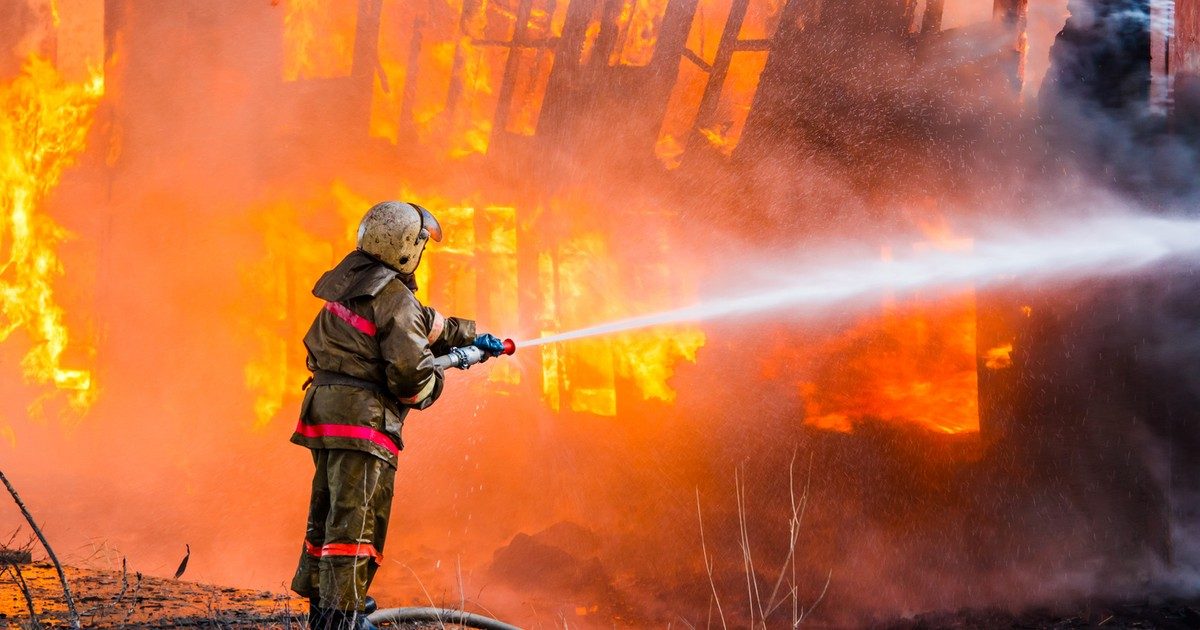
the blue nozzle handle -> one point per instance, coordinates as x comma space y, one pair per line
490, 344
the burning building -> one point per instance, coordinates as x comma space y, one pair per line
591, 160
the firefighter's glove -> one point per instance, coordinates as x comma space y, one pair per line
491, 345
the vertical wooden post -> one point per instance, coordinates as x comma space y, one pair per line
470, 9
931, 22
720, 68
1185, 66
412, 73
509, 83
563, 74
365, 62
606, 40
672, 38
114, 22
664, 64
1012, 15
366, 40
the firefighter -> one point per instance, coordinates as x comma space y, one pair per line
370, 350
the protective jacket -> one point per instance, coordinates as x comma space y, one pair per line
371, 350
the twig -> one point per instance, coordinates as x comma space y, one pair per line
124, 582
462, 590
20, 579
752, 594
287, 609
708, 564
137, 588
803, 615
797, 518
62, 577
429, 597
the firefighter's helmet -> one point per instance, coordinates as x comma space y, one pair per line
395, 233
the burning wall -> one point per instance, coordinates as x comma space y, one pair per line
223, 181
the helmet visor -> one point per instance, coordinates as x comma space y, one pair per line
429, 224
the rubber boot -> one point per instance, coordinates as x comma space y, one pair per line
316, 614
369, 605
346, 620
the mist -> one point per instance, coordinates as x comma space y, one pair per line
821, 298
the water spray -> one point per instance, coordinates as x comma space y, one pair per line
463, 358
1105, 246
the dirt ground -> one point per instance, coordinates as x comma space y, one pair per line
111, 599
107, 599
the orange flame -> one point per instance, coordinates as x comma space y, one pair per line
318, 39
43, 130
999, 357
481, 242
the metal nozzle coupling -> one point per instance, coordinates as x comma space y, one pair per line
466, 356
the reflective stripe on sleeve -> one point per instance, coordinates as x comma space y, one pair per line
347, 431
439, 324
360, 323
421, 395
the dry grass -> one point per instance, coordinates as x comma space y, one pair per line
765, 609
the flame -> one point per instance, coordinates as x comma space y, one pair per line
719, 138
639, 21
581, 284
724, 131
318, 39
929, 376
999, 357
480, 246
912, 366
43, 130
277, 368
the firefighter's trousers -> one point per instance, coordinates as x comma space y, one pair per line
347, 524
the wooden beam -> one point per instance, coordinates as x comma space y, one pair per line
564, 72
511, 65
697, 59
931, 22
720, 68
412, 70
366, 40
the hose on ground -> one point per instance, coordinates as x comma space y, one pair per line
437, 615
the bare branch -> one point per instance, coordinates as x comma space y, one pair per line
137, 587
708, 564
62, 577
820, 597
19, 578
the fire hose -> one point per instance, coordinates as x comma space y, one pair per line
439, 616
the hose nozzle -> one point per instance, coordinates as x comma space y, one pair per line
466, 356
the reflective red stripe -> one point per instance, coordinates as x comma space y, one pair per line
439, 324
358, 550
360, 323
421, 395
347, 431
351, 549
